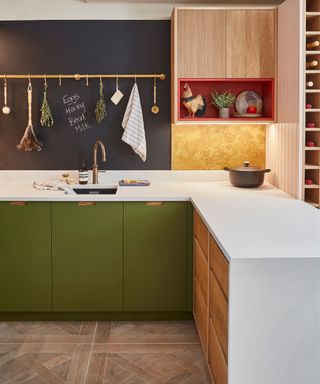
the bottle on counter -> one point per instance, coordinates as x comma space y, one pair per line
313, 44
83, 174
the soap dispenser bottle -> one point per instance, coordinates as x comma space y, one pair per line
83, 174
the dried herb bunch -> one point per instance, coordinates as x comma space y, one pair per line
46, 115
29, 141
101, 107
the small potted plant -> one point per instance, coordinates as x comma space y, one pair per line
223, 101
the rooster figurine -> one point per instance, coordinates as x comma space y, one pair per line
196, 105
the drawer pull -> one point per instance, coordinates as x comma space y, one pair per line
86, 203
154, 203
19, 203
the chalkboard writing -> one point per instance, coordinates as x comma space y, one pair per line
75, 110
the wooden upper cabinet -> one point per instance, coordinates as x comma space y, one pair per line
225, 43
201, 44
250, 44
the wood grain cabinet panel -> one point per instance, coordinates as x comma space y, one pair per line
201, 43
250, 44
200, 313
219, 265
218, 309
201, 233
217, 362
201, 270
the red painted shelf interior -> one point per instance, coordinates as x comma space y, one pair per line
264, 87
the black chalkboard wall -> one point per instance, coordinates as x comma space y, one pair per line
84, 47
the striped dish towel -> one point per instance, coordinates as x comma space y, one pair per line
133, 125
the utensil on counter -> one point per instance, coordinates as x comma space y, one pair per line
29, 141
155, 109
5, 110
246, 176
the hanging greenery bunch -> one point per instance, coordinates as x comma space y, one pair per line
101, 107
46, 118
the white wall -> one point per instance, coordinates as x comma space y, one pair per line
78, 9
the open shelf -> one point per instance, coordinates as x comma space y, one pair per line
264, 87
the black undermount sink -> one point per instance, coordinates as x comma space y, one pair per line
95, 190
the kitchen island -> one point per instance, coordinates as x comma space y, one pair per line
271, 243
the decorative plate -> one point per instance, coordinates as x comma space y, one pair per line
246, 99
247, 115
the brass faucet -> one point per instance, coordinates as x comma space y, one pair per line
95, 165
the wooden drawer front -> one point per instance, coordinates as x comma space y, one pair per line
218, 309
219, 265
201, 233
217, 362
201, 270
200, 313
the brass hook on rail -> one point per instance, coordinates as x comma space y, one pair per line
87, 80
60, 80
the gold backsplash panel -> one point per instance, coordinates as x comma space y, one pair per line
197, 147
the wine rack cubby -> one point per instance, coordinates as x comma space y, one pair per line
312, 159
313, 101
312, 22
312, 6
311, 180
315, 80
312, 197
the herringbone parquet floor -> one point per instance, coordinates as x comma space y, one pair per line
101, 352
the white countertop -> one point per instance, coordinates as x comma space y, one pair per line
247, 223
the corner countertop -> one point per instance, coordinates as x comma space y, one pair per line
262, 223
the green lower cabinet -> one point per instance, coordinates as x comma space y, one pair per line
155, 256
87, 256
25, 259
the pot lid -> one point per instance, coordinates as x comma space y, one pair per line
246, 167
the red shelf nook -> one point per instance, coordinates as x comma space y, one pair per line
264, 87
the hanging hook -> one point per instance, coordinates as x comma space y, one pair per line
5, 80
29, 83
60, 80
87, 80
117, 82
100, 80
135, 78
45, 81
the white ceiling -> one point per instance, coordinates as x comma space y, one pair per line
103, 9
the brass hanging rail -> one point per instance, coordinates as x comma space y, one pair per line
78, 76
